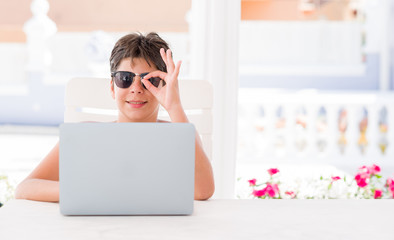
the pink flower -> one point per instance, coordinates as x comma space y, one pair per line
378, 194
272, 189
390, 182
291, 194
390, 185
365, 169
374, 169
362, 179
252, 182
273, 171
335, 178
259, 193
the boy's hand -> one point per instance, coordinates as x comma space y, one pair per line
168, 95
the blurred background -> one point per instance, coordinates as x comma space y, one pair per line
303, 85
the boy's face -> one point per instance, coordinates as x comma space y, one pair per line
135, 103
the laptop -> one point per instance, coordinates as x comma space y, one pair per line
126, 168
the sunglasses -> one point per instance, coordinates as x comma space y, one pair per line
124, 79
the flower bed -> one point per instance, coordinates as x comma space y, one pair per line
6, 190
366, 184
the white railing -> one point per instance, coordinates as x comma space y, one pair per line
305, 136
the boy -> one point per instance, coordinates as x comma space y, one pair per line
143, 76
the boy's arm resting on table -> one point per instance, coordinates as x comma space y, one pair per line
204, 185
38, 190
43, 183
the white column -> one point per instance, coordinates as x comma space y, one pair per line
384, 84
391, 41
214, 56
38, 30
198, 25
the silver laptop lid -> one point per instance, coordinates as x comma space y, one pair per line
126, 168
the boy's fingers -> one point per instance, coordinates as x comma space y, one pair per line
159, 74
150, 87
178, 66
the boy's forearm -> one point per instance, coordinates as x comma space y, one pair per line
178, 115
204, 186
204, 182
38, 190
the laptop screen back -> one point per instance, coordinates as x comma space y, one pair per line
126, 168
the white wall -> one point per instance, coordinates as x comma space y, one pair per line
300, 43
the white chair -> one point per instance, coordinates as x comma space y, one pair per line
89, 99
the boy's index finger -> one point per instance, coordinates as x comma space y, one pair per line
150, 87
157, 73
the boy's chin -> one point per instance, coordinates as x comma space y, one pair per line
138, 117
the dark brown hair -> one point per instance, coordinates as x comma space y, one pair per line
136, 45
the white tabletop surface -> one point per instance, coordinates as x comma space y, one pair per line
213, 219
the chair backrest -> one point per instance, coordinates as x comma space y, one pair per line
89, 99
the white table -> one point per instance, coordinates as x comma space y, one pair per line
213, 219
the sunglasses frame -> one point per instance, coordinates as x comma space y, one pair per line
133, 75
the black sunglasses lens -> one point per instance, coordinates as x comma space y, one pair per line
123, 79
156, 81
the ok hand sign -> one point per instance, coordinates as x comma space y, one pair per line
167, 95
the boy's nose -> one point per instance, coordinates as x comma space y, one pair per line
136, 86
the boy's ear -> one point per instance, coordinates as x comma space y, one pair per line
112, 89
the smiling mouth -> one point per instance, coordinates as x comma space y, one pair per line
137, 102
